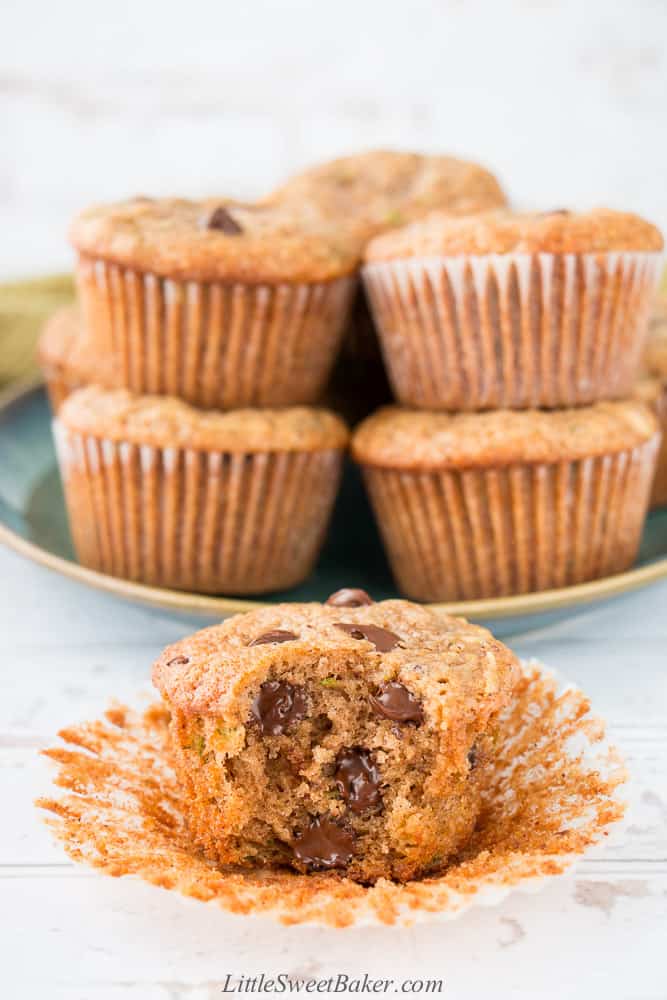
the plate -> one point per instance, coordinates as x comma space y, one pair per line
33, 521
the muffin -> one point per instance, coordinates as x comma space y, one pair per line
66, 359
222, 305
514, 310
349, 736
655, 355
204, 501
489, 504
372, 192
368, 194
653, 392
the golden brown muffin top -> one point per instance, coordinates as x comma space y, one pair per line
216, 240
62, 346
499, 232
459, 665
412, 439
379, 190
166, 422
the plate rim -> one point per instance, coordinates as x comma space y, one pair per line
188, 602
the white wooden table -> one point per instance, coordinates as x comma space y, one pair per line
67, 932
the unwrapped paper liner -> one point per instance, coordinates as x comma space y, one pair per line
551, 795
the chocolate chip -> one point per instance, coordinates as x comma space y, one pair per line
349, 597
555, 211
395, 702
277, 706
358, 779
382, 638
275, 635
222, 220
178, 661
472, 757
324, 844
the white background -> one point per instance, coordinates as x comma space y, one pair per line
566, 101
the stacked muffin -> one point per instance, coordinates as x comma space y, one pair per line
653, 390
524, 463
191, 446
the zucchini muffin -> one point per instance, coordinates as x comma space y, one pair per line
490, 504
368, 194
514, 310
653, 392
165, 494
349, 736
655, 356
372, 192
223, 305
66, 360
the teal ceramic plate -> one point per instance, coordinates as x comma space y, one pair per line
33, 521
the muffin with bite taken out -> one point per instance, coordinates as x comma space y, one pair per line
349, 736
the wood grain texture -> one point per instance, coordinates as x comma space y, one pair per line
596, 933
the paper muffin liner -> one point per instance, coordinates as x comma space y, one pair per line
464, 534
215, 344
659, 490
242, 523
551, 793
513, 330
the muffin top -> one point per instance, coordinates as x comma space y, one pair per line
411, 439
499, 232
216, 240
166, 422
63, 346
431, 654
655, 356
379, 190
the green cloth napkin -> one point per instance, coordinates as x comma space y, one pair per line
24, 307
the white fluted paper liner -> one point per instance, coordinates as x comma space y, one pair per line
455, 535
214, 344
196, 520
513, 330
552, 795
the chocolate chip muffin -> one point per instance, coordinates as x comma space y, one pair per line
224, 305
230, 503
66, 359
514, 310
477, 505
370, 193
655, 356
349, 736
367, 194
653, 392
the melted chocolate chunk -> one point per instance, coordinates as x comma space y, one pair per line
222, 220
275, 635
277, 706
358, 779
178, 661
349, 597
382, 638
395, 702
324, 844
